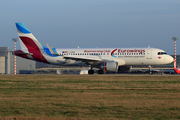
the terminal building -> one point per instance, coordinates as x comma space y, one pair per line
25, 66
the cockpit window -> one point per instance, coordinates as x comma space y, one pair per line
162, 53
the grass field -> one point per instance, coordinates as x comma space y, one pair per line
89, 97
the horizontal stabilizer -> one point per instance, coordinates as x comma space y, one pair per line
22, 53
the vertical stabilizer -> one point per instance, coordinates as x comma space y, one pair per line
29, 43
27, 39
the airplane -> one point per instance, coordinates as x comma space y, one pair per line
105, 59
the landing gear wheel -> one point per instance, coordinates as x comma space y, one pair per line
91, 72
100, 72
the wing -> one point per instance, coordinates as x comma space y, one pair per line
83, 59
93, 60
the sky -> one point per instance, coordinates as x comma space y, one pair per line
93, 23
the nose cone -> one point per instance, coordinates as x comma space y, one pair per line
166, 59
170, 59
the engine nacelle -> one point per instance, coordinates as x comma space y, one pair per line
109, 66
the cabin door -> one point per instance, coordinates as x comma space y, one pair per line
149, 54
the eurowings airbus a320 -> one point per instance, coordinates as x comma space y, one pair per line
105, 59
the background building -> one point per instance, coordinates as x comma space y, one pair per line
25, 66
177, 61
6, 61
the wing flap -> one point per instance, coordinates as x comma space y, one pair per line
80, 58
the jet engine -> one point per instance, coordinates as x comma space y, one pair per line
109, 66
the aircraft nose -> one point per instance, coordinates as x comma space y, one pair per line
171, 59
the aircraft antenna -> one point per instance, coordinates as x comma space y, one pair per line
14, 40
175, 39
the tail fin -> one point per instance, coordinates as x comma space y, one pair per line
29, 43
27, 39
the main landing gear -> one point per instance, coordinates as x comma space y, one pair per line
92, 72
100, 72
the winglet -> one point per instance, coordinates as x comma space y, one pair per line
51, 50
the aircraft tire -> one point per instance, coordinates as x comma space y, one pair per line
100, 72
91, 72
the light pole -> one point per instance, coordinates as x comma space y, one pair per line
14, 40
175, 39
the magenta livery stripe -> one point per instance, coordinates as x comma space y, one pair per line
33, 48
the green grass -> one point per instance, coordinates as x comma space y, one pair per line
95, 97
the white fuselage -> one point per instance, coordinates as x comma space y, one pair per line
124, 56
